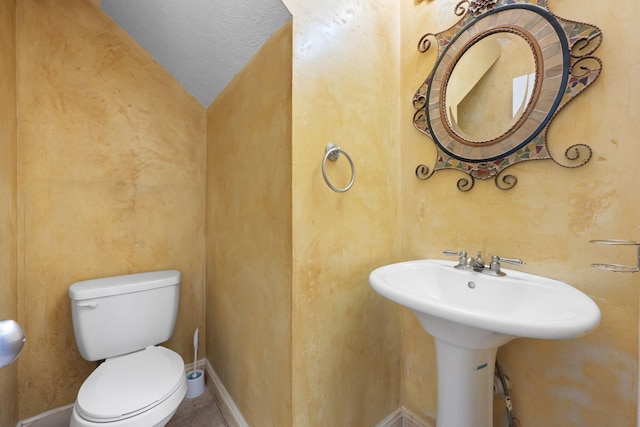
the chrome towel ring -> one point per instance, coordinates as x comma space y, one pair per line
332, 152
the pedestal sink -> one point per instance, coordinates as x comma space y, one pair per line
470, 314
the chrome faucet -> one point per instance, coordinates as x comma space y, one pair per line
477, 264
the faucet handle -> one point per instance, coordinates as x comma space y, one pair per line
496, 260
450, 252
514, 261
462, 255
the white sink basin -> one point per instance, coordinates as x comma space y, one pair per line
470, 314
515, 305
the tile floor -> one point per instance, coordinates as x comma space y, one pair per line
201, 411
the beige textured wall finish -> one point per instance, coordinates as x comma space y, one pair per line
249, 235
345, 90
547, 220
8, 266
111, 179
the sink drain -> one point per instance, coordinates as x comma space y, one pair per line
471, 285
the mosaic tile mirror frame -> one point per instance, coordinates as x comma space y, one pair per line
503, 72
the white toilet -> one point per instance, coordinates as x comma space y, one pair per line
121, 320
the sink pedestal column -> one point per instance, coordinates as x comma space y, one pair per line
465, 385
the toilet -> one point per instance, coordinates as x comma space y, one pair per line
121, 320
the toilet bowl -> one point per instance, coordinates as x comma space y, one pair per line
139, 383
139, 389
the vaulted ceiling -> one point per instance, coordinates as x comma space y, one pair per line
202, 43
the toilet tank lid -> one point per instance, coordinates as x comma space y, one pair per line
117, 285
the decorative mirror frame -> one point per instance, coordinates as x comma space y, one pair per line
562, 50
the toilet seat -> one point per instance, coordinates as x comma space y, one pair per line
127, 386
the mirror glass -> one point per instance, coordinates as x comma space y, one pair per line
490, 87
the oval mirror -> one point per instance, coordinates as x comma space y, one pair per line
490, 87
502, 74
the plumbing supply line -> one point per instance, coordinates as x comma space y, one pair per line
507, 398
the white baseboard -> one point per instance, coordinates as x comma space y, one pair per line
57, 417
402, 417
230, 411
394, 419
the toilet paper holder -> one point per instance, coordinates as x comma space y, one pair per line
11, 341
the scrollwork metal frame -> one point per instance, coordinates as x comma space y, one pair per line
565, 66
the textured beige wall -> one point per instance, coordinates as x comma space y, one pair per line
111, 178
249, 235
8, 267
547, 220
321, 342
345, 90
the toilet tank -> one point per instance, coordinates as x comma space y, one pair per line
117, 315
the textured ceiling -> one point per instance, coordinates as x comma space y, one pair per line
202, 43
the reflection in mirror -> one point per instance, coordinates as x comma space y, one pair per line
490, 87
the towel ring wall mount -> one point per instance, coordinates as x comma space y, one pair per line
332, 152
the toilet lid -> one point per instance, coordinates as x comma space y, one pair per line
125, 386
